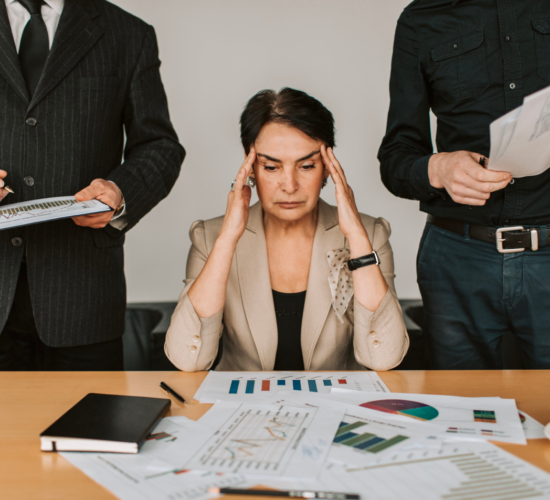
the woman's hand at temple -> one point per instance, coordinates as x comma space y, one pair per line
207, 294
369, 285
238, 202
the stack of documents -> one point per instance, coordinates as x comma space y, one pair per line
520, 140
305, 437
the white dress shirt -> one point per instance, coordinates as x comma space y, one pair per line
51, 13
19, 17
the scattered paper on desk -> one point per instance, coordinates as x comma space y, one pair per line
520, 140
458, 471
532, 428
47, 209
365, 435
251, 386
492, 419
267, 440
156, 472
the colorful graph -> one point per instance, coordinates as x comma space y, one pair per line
296, 385
158, 436
412, 409
485, 416
365, 441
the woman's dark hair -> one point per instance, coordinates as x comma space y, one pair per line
290, 107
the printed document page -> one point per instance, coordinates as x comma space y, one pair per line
520, 140
456, 471
492, 419
47, 209
251, 386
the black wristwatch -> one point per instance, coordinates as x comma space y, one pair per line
367, 260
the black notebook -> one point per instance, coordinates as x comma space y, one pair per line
105, 423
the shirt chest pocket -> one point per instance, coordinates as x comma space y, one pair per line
459, 67
542, 46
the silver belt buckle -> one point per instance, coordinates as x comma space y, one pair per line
500, 240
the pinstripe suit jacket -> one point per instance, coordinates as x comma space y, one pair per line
101, 79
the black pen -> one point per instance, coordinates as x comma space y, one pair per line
326, 495
166, 388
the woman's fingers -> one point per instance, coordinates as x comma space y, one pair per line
336, 177
337, 165
244, 172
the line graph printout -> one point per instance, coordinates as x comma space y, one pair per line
156, 472
268, 440
47, 209
457, 471
493, 419
249, 386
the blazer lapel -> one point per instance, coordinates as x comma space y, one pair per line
255, 284
10, 68
318, 298
76, 34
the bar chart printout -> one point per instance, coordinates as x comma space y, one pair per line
239, 385
458, 471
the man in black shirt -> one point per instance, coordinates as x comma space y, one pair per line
470, 62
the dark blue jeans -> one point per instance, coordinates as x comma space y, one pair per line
473, 294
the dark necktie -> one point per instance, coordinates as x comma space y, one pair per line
35, 45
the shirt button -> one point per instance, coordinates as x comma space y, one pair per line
17, 241
455, 46
512, 86
193, 348
512, 181
196, 339
29, 181
31, 122
507, 38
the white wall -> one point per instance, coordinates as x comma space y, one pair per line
216, 54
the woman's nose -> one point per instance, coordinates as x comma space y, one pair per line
289, 183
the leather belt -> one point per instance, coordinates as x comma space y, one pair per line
507, 239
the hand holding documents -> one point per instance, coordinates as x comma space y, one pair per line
520, 140
47, 209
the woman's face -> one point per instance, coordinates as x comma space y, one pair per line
289, 171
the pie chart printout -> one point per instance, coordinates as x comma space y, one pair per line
412, 409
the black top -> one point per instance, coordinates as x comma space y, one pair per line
471, 62
289, 308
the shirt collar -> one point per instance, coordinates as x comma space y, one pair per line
56, 5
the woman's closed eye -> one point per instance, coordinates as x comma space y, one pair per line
270, 168
308, 167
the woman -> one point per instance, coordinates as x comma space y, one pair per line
272, 280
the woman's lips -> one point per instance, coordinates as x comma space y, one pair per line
290, 204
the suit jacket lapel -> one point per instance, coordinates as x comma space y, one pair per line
10, 68
76, 34
255, 284
318, 298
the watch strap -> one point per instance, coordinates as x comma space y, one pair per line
366, 260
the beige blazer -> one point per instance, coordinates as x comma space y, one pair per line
248, 326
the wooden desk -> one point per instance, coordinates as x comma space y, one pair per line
30, 402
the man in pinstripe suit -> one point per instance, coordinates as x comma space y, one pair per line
74, 76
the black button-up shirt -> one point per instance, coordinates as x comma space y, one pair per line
470, 62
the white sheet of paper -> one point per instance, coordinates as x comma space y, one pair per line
250, 386
155, 473
267, 440
491, 419
47, 209
532, 428
467, 470
364, 435
520, 140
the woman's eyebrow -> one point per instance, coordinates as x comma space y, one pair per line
279, 161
